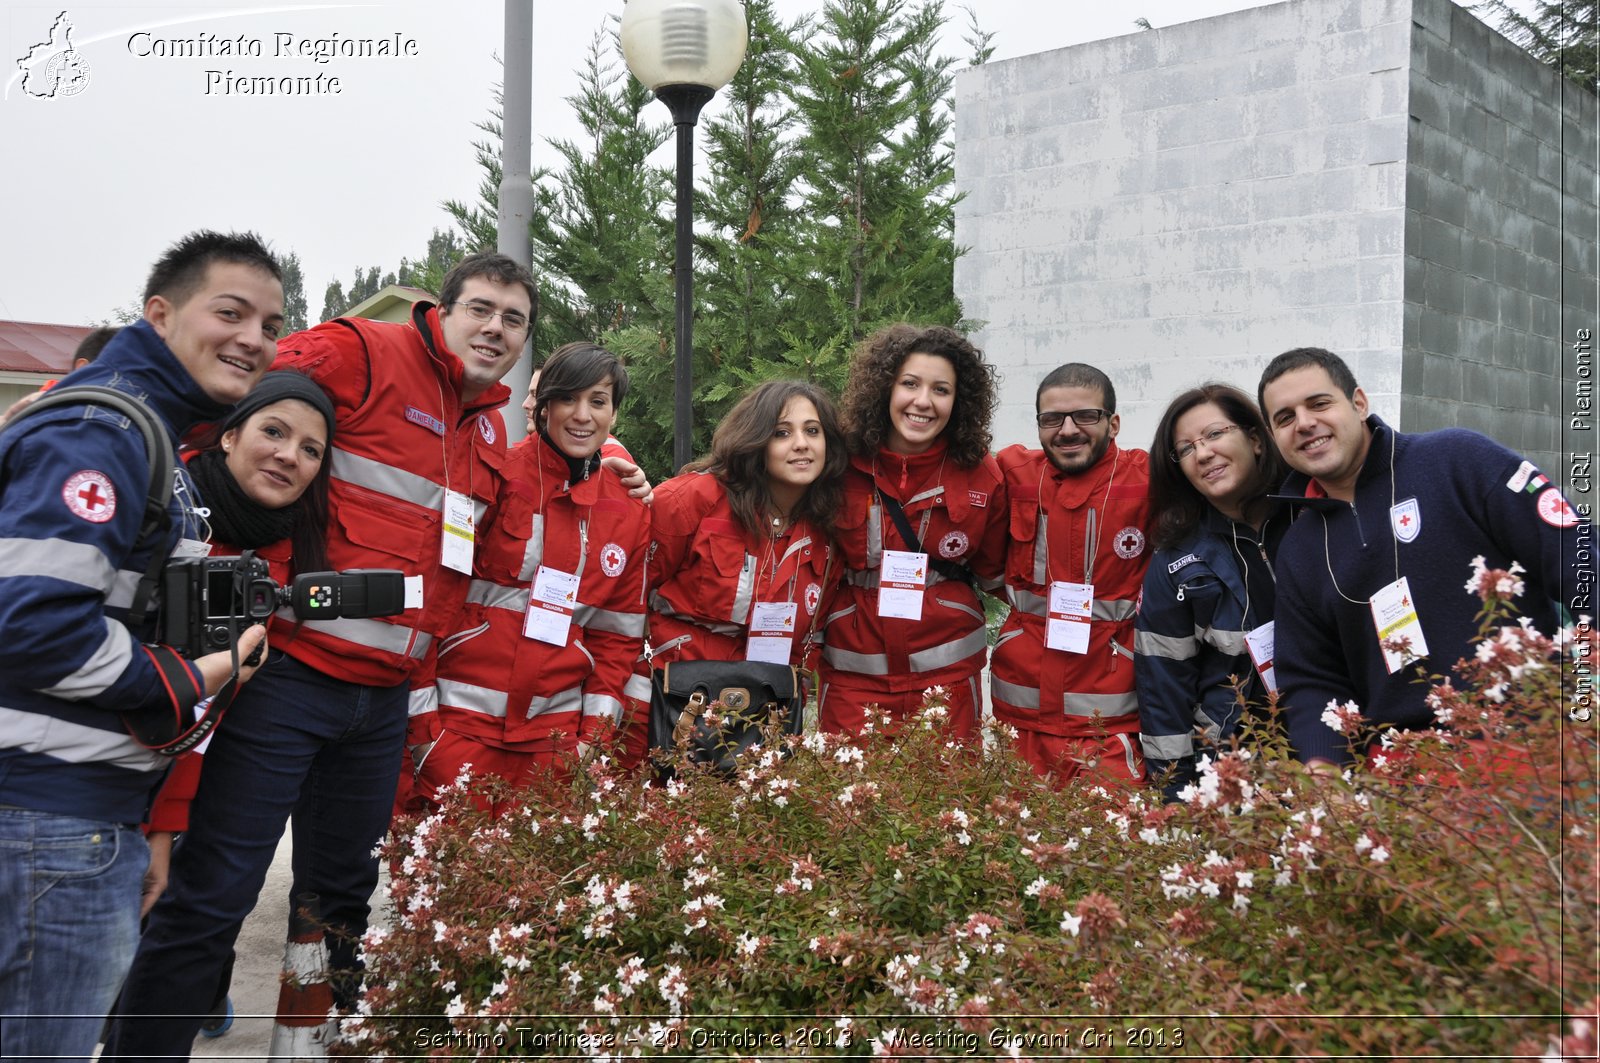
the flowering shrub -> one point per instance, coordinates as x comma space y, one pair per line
901, 895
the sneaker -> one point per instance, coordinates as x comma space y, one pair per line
219, 1021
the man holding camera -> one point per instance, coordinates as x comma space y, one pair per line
417, 438
74, 785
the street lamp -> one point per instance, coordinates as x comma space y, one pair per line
683, 51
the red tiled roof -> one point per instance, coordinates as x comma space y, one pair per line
33, 347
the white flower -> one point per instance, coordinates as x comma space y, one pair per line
1036, 886
1070, 923
1379, 855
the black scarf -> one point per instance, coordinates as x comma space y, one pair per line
578, 469
236, 519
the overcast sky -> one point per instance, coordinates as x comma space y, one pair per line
94, 185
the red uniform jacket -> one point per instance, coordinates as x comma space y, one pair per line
498, 685
960, 516
707, 571
403, 437
1087, 528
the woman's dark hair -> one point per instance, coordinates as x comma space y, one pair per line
739, 456
574, 368
876, 365
309, 539
1176, 507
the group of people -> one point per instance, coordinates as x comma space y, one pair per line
1290, 542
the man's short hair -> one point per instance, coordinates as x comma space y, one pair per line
1078, 375
496, 267
179, 273
1302, 358
90, 346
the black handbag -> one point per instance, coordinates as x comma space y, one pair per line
751, 693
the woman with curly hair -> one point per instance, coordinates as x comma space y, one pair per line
1209, 594
924, 520
744, 537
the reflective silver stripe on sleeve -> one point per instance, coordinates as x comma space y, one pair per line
474, 699
533, 553
491, 594
33, 732
1230, 642
1211, 728
604, 706
569, 700
1172, 647
103, 668
596, 619
860, 663
1113, 608
77, 563
124, 585
1012, 694
949, 653
375, 634
387, 480
661, 605
746, 591
1107, 705
1041, 550
423, 701
1167, 747
1025, 601
638, 688
874, 535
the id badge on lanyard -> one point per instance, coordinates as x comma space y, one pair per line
1071, 606
1394, 616
551, 602
771, 632
459, 532
903, 579
1261, 644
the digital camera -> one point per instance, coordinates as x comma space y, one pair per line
207, 602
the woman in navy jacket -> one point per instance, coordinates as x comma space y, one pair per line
1206, 613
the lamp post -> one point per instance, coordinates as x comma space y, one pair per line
683, 51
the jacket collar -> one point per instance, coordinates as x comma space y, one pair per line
581, 477
139, 362
1074, 489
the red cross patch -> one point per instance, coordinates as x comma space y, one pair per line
89, 494
613, 558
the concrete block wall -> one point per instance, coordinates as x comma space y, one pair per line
1181, 204
1500, 235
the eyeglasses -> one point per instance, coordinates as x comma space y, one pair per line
1210, 436
1083, 418
510, 320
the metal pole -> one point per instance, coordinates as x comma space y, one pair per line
516, 186
685, 102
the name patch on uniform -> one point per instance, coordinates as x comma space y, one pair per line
1519, 479
1184, 560
426, 420
978, 498
89, 494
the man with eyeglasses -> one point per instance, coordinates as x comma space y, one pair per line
1390, 526
418, 436
1062, 670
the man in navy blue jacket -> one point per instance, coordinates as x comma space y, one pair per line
1388, 527
74, 786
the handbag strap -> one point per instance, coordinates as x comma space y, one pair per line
948, 569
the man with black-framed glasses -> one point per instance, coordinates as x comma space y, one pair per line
1062, 670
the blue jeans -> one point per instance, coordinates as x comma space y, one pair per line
296, 741
69, 922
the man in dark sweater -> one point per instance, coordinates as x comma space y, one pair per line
1372, 573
